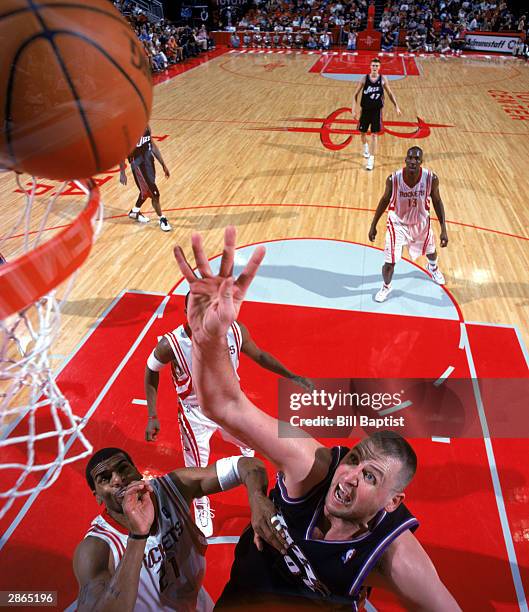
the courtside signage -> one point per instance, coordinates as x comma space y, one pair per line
492, 43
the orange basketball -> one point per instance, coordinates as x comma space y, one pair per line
75, 87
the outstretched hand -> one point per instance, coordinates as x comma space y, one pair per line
216, 300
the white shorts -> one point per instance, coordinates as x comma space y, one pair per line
419, 239
196, 431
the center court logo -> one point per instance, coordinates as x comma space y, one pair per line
337, 125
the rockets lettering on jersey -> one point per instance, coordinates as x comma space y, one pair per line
411, 205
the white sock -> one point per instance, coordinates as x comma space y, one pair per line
135, 209
432, 264
366, 148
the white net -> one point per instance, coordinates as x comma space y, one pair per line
39, 432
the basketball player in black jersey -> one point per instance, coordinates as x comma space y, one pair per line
372, 86
340, 510
142, 165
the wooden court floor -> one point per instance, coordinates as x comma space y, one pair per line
265, 142
222, 130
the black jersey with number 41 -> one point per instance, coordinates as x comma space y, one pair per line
372, 94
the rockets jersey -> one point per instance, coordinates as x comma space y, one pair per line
143, 146
372, 94
174, 561
181, 366
328, 572
410, 205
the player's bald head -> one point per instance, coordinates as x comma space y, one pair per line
415, 151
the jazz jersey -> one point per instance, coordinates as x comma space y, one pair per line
330, 573
143, 146
410, 205
174, 560
181, 366
372, 94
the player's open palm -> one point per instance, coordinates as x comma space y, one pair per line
138, 507
216, 300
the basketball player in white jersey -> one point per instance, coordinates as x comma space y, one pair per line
143, 552
372, 86
408, 192
195, 428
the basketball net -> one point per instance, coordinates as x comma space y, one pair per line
39, 432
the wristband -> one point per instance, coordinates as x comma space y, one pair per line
228, 473
138, 536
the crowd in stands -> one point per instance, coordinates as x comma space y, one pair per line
300, 23
440, 25
418, 25
164, 43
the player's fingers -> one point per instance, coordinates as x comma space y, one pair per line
258, 542
228, 254
200, 256
275, 537
183, 264
250, 270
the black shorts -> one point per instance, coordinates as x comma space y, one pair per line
144, 174
370, 117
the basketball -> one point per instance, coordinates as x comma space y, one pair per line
76, 90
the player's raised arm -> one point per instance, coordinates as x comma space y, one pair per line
439, 210
382, 205
215, 301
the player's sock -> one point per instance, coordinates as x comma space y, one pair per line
366, 149
135, 209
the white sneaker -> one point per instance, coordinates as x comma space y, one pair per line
164, 225
366, 152
382, 295
137, 216
204, 515
437, 276
370, 162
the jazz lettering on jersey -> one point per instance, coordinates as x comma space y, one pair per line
298, 564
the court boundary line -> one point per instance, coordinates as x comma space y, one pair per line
89, 413
496, 484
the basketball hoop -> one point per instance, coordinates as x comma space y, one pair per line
39, 432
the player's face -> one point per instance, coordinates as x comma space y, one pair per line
111, 478
375, 67
413, 160
364, 483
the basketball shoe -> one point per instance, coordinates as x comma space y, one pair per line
436, 275
370, 162
164, 224
382, 295
137, 216
204, 515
